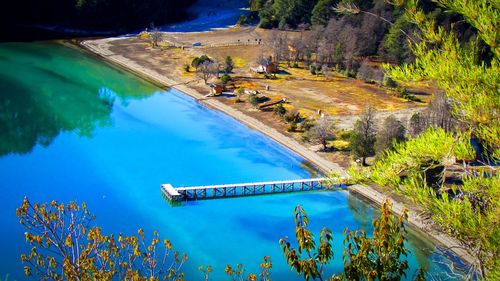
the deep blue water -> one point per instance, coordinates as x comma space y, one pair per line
74, 128
209, 14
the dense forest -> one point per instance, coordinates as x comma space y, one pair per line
91, 15
374, 30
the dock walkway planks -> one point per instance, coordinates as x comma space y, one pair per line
242, 189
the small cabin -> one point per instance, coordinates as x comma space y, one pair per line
216, 89
266, 66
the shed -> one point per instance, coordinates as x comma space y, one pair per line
216, 89
266, 66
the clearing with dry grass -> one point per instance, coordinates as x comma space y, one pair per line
311, 95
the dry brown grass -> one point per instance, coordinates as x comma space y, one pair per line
306, 93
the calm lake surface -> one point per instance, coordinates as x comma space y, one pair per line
74, 128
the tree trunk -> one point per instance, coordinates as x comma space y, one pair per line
363, 159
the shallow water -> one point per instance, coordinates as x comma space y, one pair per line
74, 128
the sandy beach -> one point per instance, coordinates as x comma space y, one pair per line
101, 48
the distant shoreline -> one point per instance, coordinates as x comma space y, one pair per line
100, 48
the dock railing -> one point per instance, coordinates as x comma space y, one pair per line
244, 189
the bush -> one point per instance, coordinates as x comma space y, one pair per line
280, 110
292, 117
187, 68
306, 125
341, 145
313, 69
225, 79
349, 73
345, 135
389, 82
143, 35
253, 99
292, 126
242, 20
239, 93
403, 93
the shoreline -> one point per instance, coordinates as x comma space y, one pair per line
99, 48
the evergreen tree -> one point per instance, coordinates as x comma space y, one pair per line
395, 45
322, 12
229, 64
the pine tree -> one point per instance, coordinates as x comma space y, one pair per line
322, 12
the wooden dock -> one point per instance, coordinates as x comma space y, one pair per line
242, 189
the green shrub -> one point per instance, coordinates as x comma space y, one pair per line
306, 124
225, 79
345, 135
242, 20
389, 82
253, 99
280, 110
313, 69
403, 93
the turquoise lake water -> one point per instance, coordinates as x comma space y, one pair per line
74, 128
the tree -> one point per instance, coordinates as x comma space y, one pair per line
65, 245
467, 71
365, 72
278, 43
206, 70
417, 125
206, 271
308, 260
199, 60
439, 113
395, 45
322, 12
155, 35
327, 72
392, 132
229, 64
364, 135
378, 258
417, 169
322, 132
